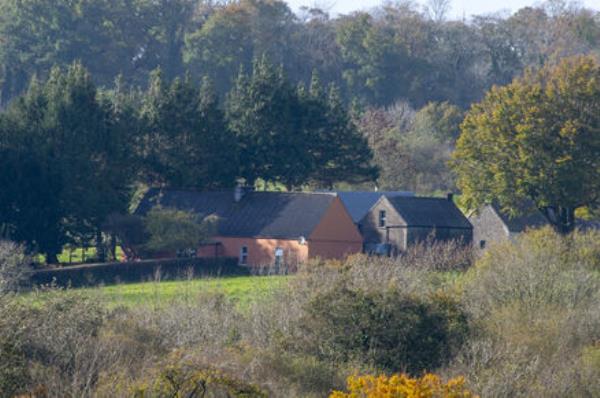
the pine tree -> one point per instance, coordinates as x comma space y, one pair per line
346, 155
264, 112
67, 175
187, 142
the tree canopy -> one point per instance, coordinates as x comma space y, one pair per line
536, 139
294, 136
76, 153
66, 162
398, 51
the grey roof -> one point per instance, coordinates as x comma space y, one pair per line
258, 214
430, 212
530, 217
358, 203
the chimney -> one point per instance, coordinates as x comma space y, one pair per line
450, 197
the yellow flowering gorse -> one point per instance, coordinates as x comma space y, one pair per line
403, 386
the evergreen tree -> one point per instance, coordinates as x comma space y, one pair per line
294, 136
345, 153
264, 112
186, 143
67, 162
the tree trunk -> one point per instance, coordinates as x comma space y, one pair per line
561, 218
100, 252
113, 246
567, 219
52, 258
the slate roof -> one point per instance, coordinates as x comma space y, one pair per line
531, 217
258, 214
358, 203
430, 212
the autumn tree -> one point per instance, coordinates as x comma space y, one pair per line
536, 139
411, 147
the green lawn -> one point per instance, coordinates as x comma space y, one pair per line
242, 289
77, 255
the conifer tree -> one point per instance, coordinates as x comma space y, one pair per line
346, 155
68, 179
264, 112
187, 143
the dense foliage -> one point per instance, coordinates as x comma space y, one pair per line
106, 96
398, 51
387, 329
536, 139
65, 149
76, 153
522, 321
171, 230
412, 147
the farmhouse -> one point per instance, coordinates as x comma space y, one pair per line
358, 203
491, 224
394, 223
261, 228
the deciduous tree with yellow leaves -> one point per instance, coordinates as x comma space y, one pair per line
536, 139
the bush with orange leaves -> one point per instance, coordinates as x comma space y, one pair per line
402, 386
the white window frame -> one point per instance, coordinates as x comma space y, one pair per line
279, 255
382, 218
243, 260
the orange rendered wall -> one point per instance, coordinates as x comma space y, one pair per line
262, 251
336, 236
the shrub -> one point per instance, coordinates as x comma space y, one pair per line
14, 370
52, 341
183, 381
209, 320
171, 230
293, 374
535, 305
14, 266
402, 386
387, 329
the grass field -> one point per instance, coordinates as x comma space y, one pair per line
241, 289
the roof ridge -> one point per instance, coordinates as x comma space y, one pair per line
298, 193
420, 197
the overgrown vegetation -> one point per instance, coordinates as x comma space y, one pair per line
522, 321
15, 266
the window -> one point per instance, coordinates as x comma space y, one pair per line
382, 217
278, 256
482, 244
244, 255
